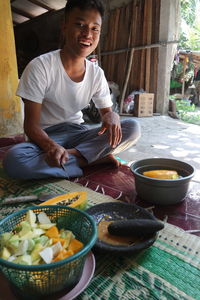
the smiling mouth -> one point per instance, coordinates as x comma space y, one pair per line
85, 44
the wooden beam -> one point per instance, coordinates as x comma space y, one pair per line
159, 44
38, 3
22, 13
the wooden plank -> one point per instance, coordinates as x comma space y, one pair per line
141, 40
126, 80
157, 45
156, 51
153, 34
108, 46
143, 13
148, 40
124, 114
131, 43
114, 41
128, 28
136, 40
115, 58
121, 58
115, 36
157, 20
129, 61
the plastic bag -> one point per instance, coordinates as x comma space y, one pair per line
128, 106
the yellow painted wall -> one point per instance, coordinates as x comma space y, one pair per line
10, 108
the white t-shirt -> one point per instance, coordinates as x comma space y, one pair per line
45, 81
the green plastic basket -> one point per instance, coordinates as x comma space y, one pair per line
36, 281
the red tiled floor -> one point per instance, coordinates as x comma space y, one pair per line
116, 182
185, 214
119, 184
3, 150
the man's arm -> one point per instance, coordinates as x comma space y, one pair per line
55, 154
111, 124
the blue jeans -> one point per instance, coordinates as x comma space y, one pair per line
27, 160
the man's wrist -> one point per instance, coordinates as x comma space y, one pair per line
47, 145
110, 113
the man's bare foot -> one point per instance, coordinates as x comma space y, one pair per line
74, 152
83, 162
107, 159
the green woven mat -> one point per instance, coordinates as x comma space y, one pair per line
170, 269
14, 188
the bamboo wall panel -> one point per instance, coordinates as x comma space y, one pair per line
135, 24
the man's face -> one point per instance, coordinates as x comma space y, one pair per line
82, 31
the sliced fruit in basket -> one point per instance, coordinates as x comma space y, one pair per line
29, 244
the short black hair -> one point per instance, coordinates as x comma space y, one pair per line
85, 4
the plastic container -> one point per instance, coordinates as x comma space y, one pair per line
37, 281
162, 191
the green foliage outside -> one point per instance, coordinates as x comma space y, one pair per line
186, 112
189, 40
190, 25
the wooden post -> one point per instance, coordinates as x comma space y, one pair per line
184, 69
126, 80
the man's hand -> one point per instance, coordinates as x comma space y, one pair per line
111, 124
56, 155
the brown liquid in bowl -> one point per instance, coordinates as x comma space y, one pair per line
108, 238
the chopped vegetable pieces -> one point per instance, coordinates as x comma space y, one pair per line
36, 240
56, 240
43, 218
63, 254
52, 232
75, 245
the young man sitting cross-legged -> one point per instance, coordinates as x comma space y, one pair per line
55, 87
